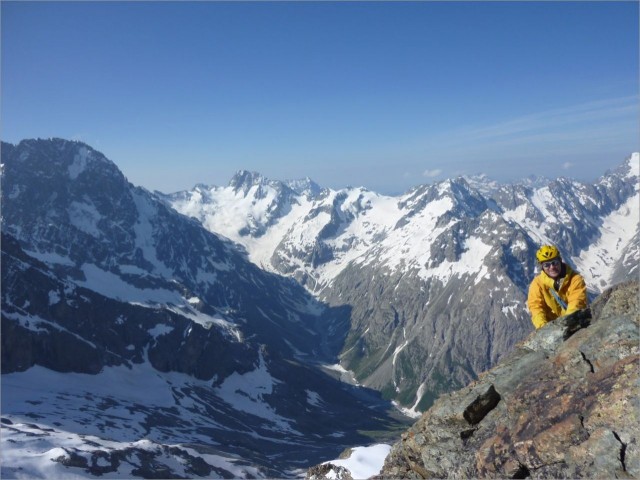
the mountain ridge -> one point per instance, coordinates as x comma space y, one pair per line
102, 280
241, 313
456, 231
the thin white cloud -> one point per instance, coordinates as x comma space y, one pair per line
557, 120
432, 173
604, 121
567, 165
563, 134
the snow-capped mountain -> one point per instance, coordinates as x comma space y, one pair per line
435, 279
137, 343
70, 207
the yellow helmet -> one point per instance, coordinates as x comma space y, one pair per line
546, 253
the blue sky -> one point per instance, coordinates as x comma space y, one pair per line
385, 95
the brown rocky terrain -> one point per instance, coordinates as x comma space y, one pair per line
564, 404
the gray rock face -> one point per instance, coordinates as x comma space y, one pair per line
49, 321
68, 205
328, 470
415, 338
563, 404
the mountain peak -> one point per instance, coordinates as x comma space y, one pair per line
71, 157
534, 181
246, 178
632, 165
482, 183
304, 186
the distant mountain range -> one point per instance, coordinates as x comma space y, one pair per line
221, 339
435, 279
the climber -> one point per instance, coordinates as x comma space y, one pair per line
557, 291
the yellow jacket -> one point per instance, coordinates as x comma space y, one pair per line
543, 305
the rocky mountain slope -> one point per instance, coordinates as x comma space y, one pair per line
434, 280
71, 208
563, 404
137, 342
124, 321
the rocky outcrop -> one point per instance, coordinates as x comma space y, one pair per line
563, 404
328, 470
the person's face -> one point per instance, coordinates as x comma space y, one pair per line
552, 267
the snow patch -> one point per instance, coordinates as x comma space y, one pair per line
471, 262
117, 404
364, 462
597, 263
144, 233
79, 163
412, 411
85, 217
50, 258
246, 392
314, 398
112, 286
54, 297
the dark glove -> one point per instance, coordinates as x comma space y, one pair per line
575, 321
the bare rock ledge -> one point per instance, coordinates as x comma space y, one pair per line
563, 404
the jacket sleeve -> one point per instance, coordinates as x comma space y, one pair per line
536, 305
576, 294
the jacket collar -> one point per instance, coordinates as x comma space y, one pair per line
548, 281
